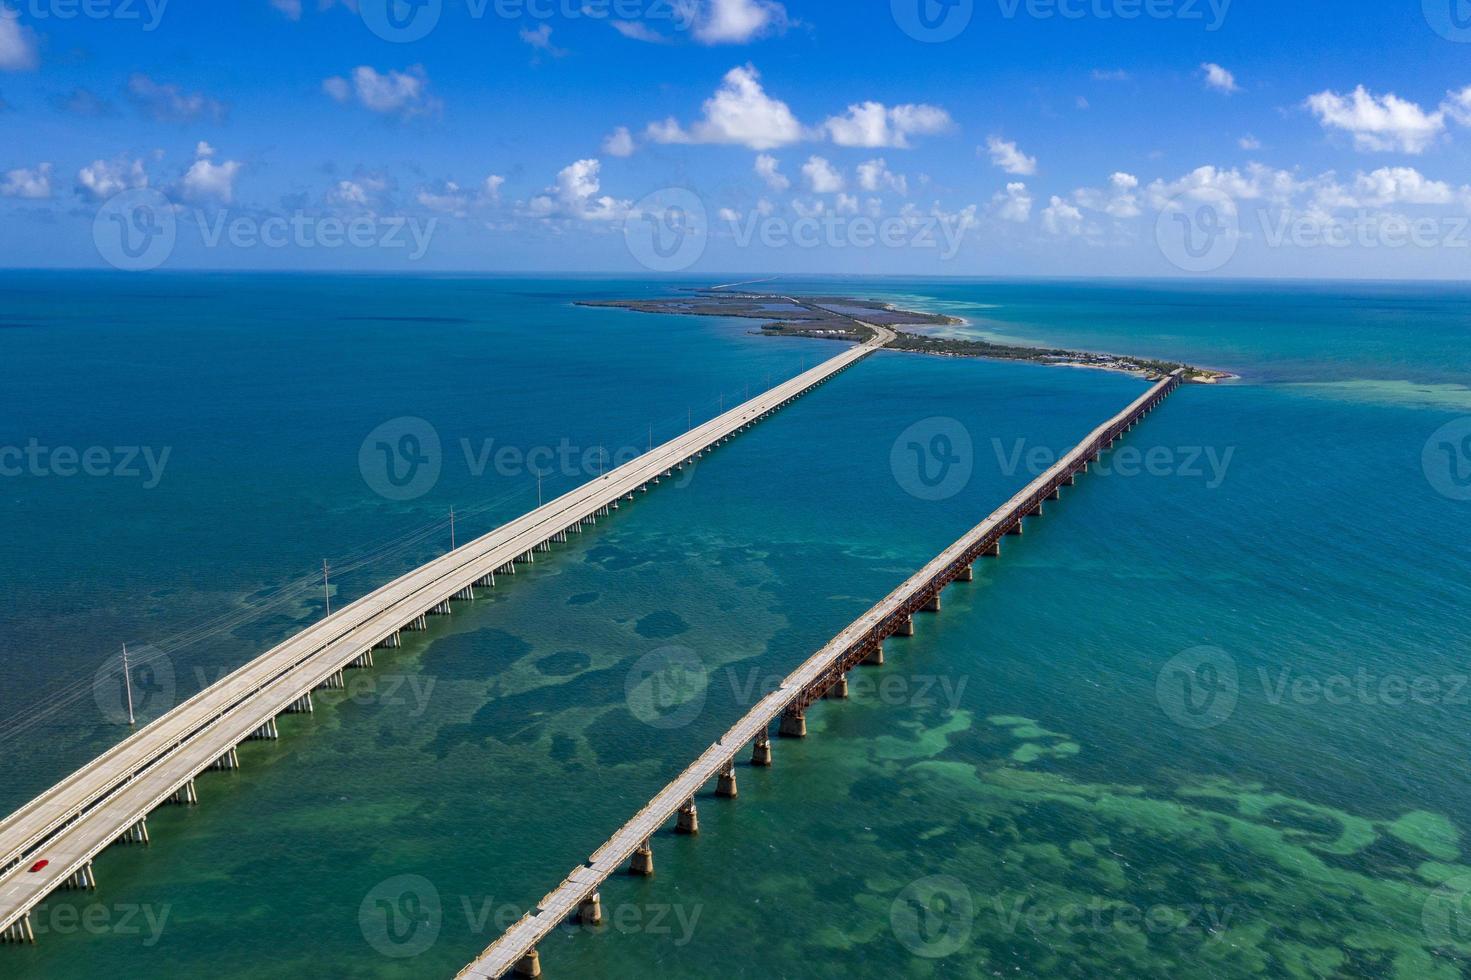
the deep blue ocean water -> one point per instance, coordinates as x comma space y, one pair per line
1207, 718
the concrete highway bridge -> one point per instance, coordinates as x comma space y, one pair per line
824, 674
108, 800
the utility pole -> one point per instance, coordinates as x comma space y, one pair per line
451, 529
326, 587
538, 489
689, 420
128, 685
651, 437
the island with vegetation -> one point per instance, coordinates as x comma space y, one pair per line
847, 318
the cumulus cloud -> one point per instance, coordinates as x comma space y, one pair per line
822, 177
876, 176
169, 103
576, 195
1119, 200
735, 21
17, 42
1378, 123
393, 93
874, 125
767, 169
1005, 155
739, 113
1014, 204
206, 180
364, 191
619, 143
1249, 142
1062, 218
101, 179
1219, 78
541, 40
31, 185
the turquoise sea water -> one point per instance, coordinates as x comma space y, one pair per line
1022, 790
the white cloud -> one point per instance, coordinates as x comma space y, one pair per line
1208, 183
619, 143
1249, 142
1378, 123
637, 30
875, 176
101, 179
1005, 155
736, 21
541, 40
32, 185
1061, 218
1119, 200
874, 125
169, 103
365, 190
575, 195
740, 113
1385, 187
1219, 78
822, 176
210, 181
847, 204
400, 93
492, 187
447, 198
767, 169
1015, 204
291, 8
17, 42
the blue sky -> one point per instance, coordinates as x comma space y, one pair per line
1010, 137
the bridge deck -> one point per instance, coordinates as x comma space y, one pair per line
799, 689
79, 816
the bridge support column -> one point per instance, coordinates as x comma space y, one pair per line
230, 760
906, 627
590, 910
266, 732
725, 786
967, 574
933, 605
362, 661
1056, 493
301, 706
185, 795
136, 834
443, 609
1035, 511
417, 625
761, 751
466, 594
875, 656
333, 682
81, 879
488, 581
528, 966
689, 820
1016, 529
839, 690
1071, 481
793, 724
993, 550
391, 641
20, 931
642, 864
